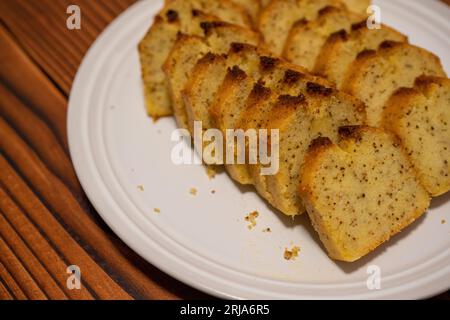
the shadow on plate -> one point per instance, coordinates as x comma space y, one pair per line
440, 201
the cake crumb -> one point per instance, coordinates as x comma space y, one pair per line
193, 191
210, 172
267, 230
140, 187
251, 219
213, 191
291, 254
157, 210
443, 221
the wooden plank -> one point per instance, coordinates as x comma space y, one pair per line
21, 251
61, 201
4, 292
94, 276
47, 40
21, 75
20, 274
49, 100
39, 137
42, 248
11, 284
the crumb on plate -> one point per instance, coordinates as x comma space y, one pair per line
291, 254
157, 210
267, 230
140, 187
251, 219
443, 221
210, 172
193, 191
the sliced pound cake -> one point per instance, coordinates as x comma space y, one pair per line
228, 103
278, 17
253, 7
208, 75
318, 112
358, 6
283, 79
236, 93
420, 116
360, 192
376, 75
306, 38
177, 16
342, 48
189, 49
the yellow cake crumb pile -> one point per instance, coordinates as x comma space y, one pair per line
291, 254
251, 219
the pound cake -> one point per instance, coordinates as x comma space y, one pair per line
360, 192
318, 112
356, 119
420, 117
189, 49
342, 48
277, 19
177, 16
376, 75
239, 93
307, 38
256, 114
208, 75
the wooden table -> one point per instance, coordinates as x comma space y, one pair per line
46, 221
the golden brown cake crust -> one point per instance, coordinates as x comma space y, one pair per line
349, 225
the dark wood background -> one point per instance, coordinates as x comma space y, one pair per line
46, 221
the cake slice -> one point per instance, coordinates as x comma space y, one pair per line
253, 7
318, 112
360, 192
278, 17
342, 48
281, 80
306, 38
208, 75
420, 116
189, 49
177, 16
358, 6
237, 92
376, 75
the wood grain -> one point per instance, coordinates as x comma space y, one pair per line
46, 221
10, 283
45, 216
39, 245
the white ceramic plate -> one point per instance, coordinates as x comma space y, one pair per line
203, 240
